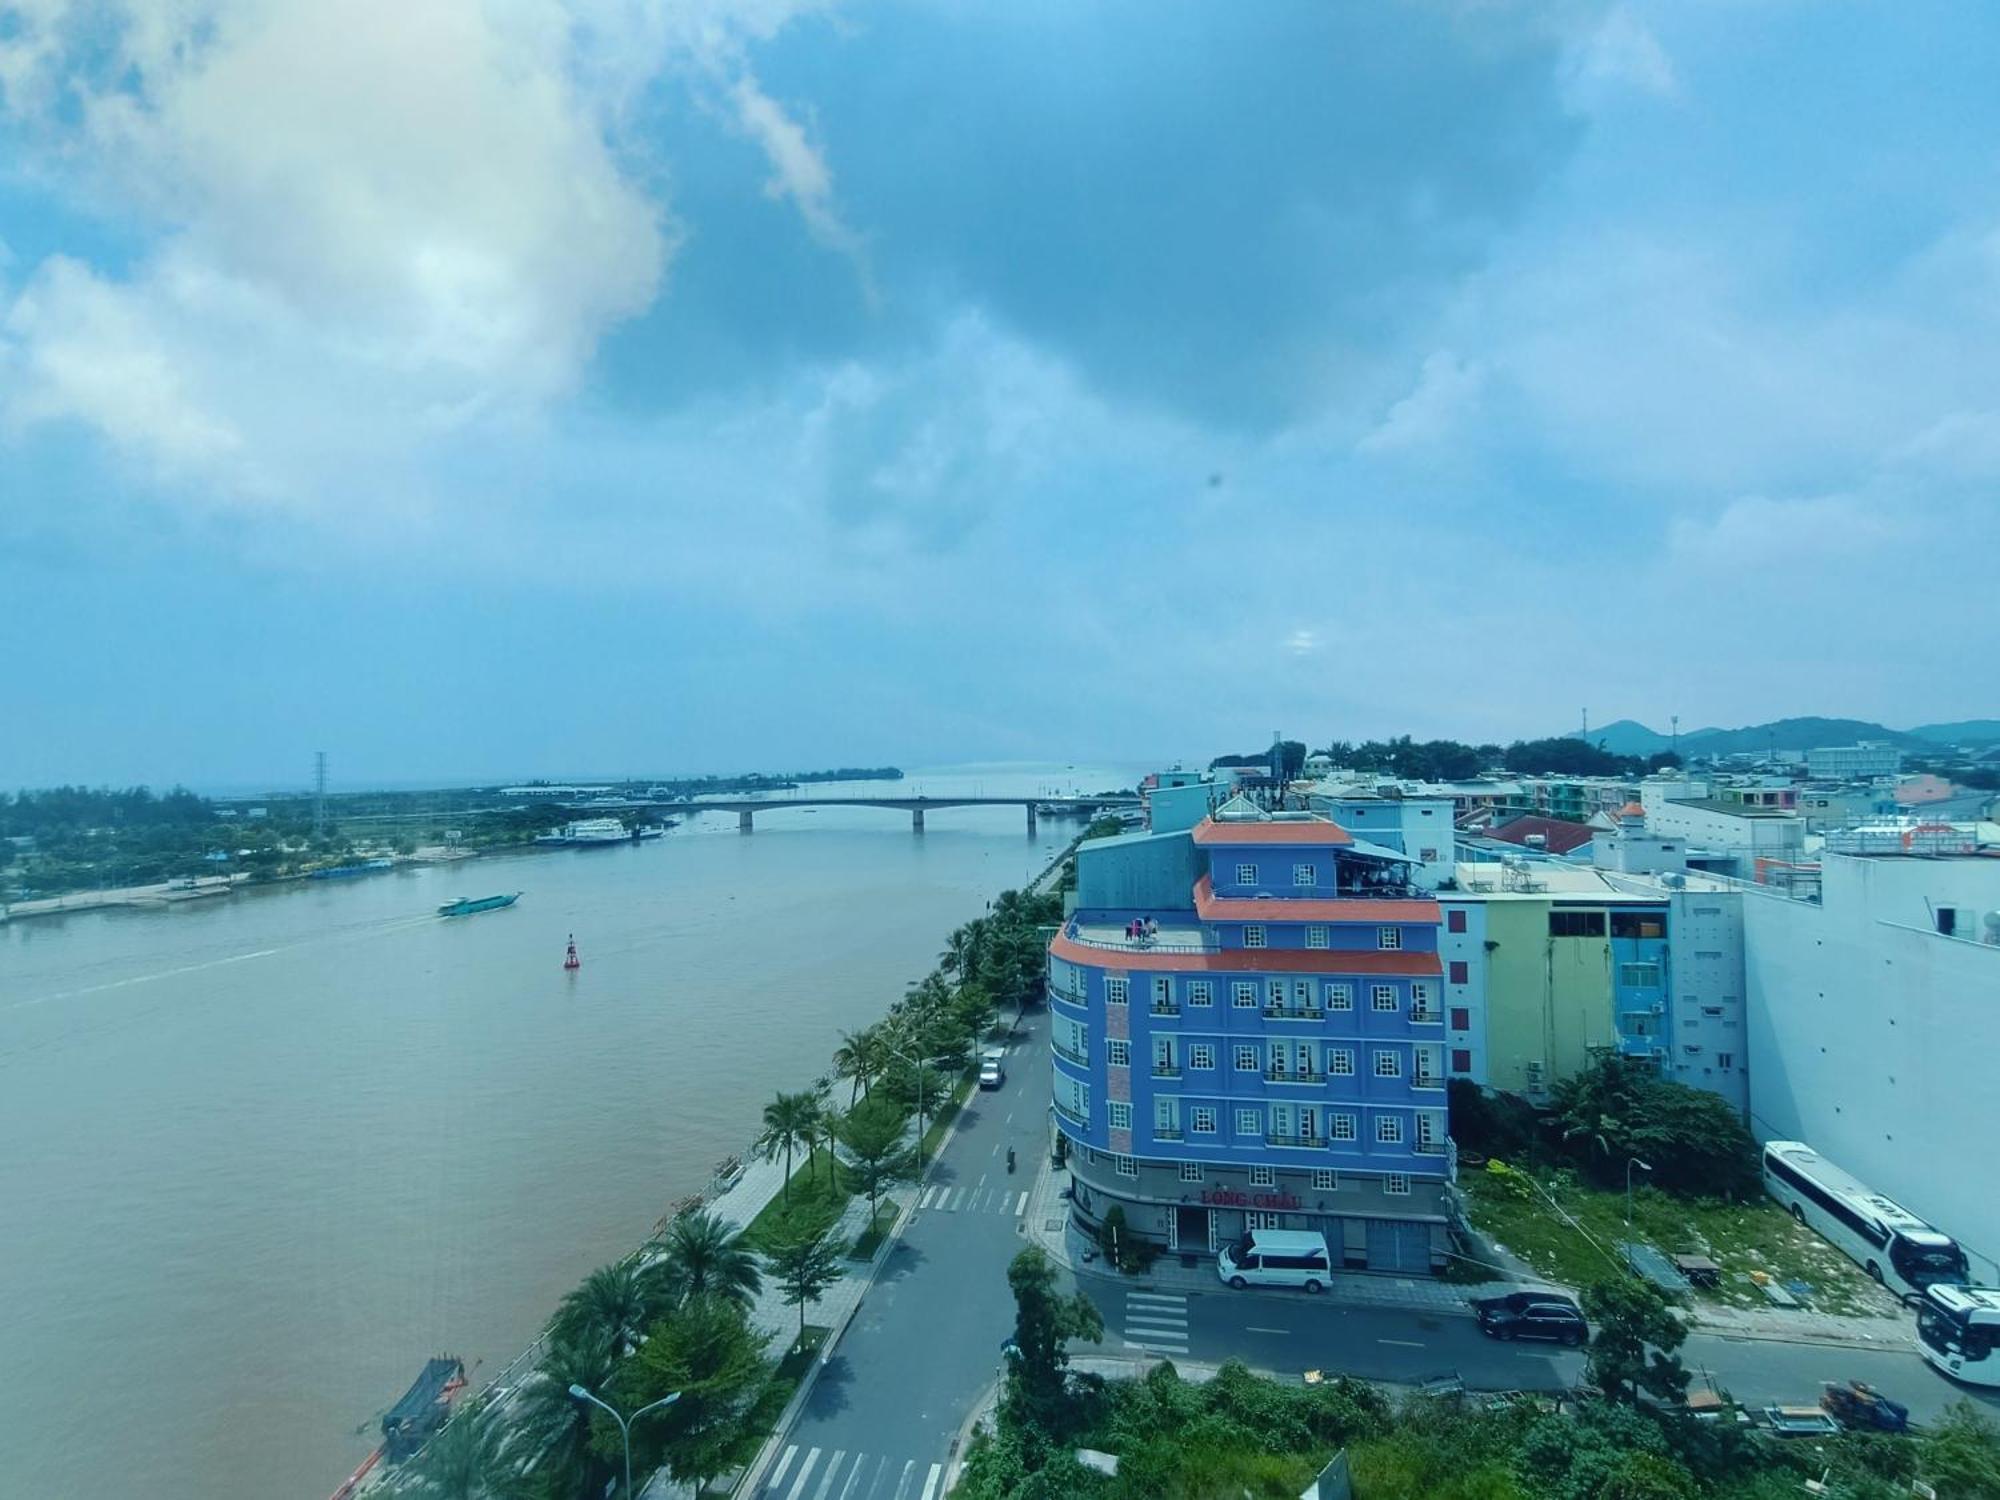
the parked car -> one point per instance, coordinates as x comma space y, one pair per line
1532, 1315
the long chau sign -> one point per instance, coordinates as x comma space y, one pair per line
1237, 1198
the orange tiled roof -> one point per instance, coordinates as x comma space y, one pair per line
1333, 961
1631, 810
1305, 831
1214, 908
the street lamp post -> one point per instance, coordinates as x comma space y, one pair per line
1630, 1163
624, 1425
899, 1052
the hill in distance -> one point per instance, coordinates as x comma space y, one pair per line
1629, 737
1962, 732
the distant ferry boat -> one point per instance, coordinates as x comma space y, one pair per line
465, 906
342, 872
588, 832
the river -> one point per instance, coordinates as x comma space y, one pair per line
261, 1157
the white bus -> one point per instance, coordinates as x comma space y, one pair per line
1958, 1328
1895, 1246
1275, 1257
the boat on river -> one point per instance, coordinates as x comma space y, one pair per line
466, 906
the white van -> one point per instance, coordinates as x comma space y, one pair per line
1276, 1257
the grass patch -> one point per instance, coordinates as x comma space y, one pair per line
870, 1239
1740, 1237
815, 1204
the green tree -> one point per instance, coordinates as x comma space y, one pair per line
705, 1256
1633, 1341
1619, 1108
469, 1460
805, 1266
707, 1351
1044, 1322
557, 1426
1960, 1454
788, 1124
614, 1302
873, 1135
860, 1057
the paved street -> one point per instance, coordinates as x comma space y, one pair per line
881, 1420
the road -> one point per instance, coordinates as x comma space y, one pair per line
882, 1417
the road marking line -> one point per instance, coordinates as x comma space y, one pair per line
805, 1472
1155, 1330
1253, 1328
1400, 1343
1156, 1347
930, 1194
784, 1464
978, 1194
903, 1487
853, 1474
832, 1468
945, 1203
930, 1484
1023, 1206
1155, 1297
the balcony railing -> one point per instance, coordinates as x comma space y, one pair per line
1427, 1017
1293, 1075
1165, 1008
1427, 1081
1166, 1132
1312, 1141
1430, 1148
1076, 1057
1166, 1069
1294, 1013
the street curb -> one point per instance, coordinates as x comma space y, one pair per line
987, 1399
753, 1476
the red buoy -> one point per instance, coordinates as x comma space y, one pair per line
570, 960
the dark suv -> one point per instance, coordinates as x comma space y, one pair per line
1532, 1315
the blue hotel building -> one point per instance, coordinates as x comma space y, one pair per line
1268, 1052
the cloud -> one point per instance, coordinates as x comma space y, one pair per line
798, 169
1757, 533
1618, 57
1447, 388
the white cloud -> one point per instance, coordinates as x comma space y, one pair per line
1619, 56
798, 169
1447, 388
1788, 537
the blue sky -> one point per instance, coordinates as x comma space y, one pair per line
551, 387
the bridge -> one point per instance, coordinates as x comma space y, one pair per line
746, 808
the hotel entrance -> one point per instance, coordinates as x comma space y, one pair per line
1194, 1230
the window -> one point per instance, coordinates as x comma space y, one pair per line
1389, 1130
1121, 1115
1116, 990
1201, 1055
1585, 924
1249, 1122
1397, 1185
1264, 1177
1454, 920
1639, 976
1260, 1218
1200, 992
1428, 856
1302, 875
1163, 990
1202, 1116
1072, 1096
1253, 935
1302, 994
1246, 1059
1165, 1063
1638, 924
1383, 997
1708, 911
1422, 1002
1325, 1181
1340, 1062
1315, 937
1243, 994
1461, 1018
1461, 1060
1275, 992
1118, 1052
1246, 874
1191, 1170
1167, 1118
1127, 1167
1340, 1127
1071, 1038
1725, 1060
1388, 1065
1458, 973
1340, 997
1711, 1010
1707, 953
1388, 937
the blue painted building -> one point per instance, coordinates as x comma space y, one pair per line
1266, 1049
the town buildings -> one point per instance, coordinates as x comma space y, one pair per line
1862, 762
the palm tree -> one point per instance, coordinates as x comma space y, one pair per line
857, 1057
614, 1303
470, 1460
787, 1125
555, 1427
706, 1255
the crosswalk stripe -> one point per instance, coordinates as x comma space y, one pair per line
1137, 1320
1022, 1207
854, 1473
784, 1464
930, 1484
1155, 1297
1158, 1346
973, 1199
903, 1485
832, 1468
949, 1203
805, 1473
930, 1196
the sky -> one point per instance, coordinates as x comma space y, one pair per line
587, 386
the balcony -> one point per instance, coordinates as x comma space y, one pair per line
1166, 1069
1429, 1148
1293, 1075
1310, 1142
1427, 1081
1166, 1133
1165, 1008
1294, 1013
1068, 1056
1426, 1017
1113, 938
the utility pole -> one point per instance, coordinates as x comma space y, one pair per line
1586, 726
1675, 720
319, 794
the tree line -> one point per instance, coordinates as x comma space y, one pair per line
1408, 759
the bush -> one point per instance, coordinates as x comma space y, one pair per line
1619, 1108
1127, 1251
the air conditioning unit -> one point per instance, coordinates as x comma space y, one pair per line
1659, 1007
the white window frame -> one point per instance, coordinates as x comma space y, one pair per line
1325, 1181
1199, 1114
1246, 874
1397, 1184
1243, 994
1117, 989
1388, 1063
1202, 1055
1263, 1177
1128, 1166
1304, 875
1249, 1122
1163, 989
1260, 1218
1200, 992
1253, 935
1389, 1130
1341, 1127
1389, 938
1340, 996
1190, 1171
1245, 1050
1119, 1112
1383, 997
1340, 1062
1316, 936
1118, 1052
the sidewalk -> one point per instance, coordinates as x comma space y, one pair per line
1802, 1327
